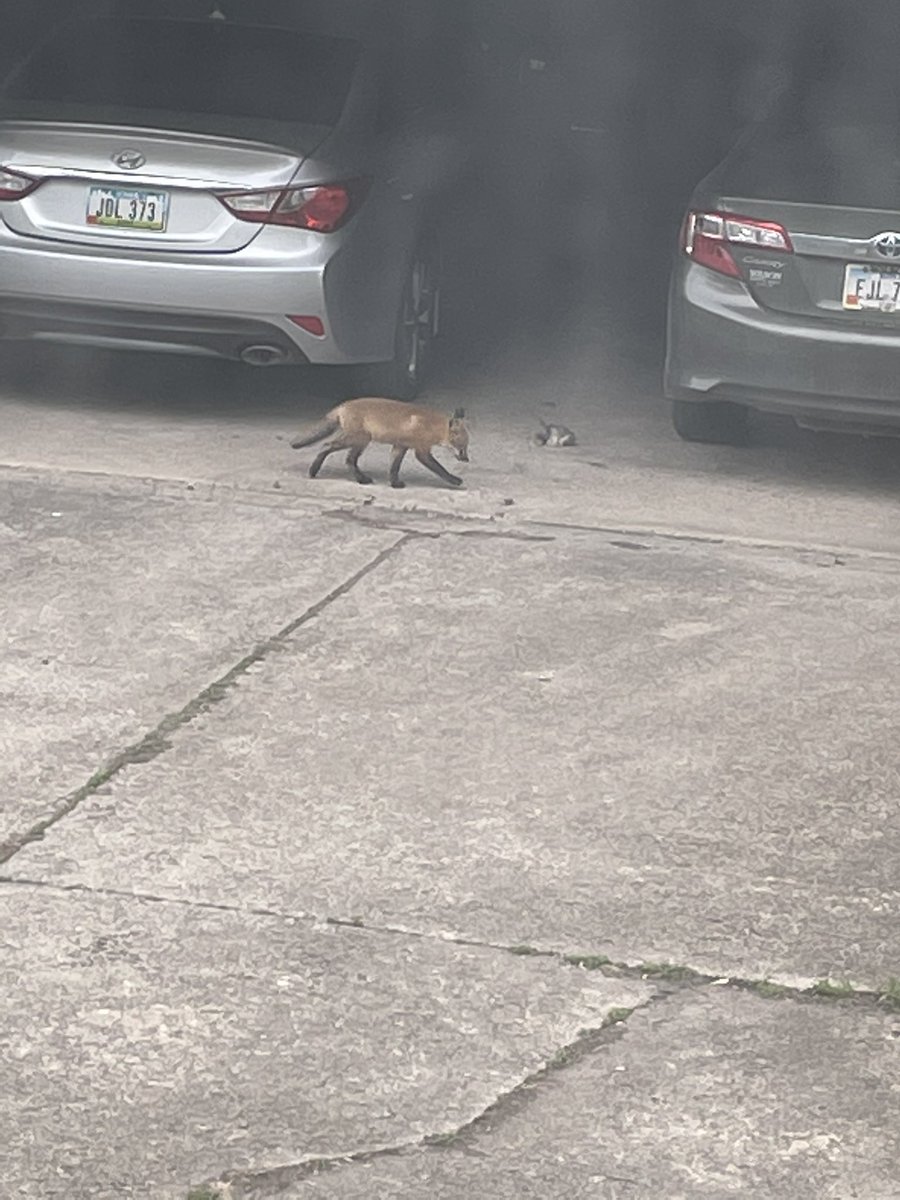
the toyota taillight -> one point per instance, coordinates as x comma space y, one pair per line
322, 209
709, 236
14, 185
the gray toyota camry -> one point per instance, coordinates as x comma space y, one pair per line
785, 296
249, 181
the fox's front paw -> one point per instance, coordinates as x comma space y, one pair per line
397, 483
455, 481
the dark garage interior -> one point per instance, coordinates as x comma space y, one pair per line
587, 124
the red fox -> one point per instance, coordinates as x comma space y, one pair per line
394, 423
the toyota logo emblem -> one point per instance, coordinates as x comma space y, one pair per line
888, 245
131, 160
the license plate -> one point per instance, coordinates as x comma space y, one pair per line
127, 208
868, 287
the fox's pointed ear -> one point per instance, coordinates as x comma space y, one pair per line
459, 415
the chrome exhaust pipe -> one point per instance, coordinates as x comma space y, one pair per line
263, 356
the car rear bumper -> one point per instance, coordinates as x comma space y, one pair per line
127, 329
200, 303
723, 345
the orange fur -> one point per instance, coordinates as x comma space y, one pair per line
390, 422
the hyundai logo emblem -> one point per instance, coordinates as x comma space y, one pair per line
132, 160
888, 245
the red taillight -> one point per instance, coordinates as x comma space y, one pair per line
323, 208
14, 185
313, 325
709, 236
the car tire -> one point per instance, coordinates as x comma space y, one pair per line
720, 422
403, 377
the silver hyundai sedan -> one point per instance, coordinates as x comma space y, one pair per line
248, 183
785, 296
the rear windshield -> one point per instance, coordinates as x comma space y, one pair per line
208, 67
831, 141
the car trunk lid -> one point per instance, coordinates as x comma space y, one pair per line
125, 186
844, 263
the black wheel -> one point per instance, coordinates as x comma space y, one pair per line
417, 326
720, 422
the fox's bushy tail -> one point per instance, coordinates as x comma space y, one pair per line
317, 435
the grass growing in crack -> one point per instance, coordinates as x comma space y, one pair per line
890, 997
590, 962
769, 990
667, 971
204, 1193
437, 1140
525, 951
157, 741
831, 989
563, 1057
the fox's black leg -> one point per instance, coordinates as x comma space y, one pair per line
353, 464
331, 448
396, 463
428, 460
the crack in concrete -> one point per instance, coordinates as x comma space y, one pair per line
670, 980
674, 977
156, 742
144, 487
149, 487
400, 520
176, 901
494, 508
267, 1184
840, 554
270, 1183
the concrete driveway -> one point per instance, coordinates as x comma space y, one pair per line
534, 840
